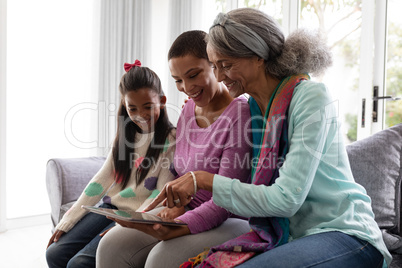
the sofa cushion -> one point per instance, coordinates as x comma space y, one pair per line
376, 164
396, 261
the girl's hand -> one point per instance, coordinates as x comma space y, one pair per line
55, 237
105, 232
159, 231
181, 190
171, 213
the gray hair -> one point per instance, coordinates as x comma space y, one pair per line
243, 34
302, 52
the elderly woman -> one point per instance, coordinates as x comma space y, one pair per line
301, 172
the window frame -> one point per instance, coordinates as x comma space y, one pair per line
373, 69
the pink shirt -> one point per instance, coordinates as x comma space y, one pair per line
223, 148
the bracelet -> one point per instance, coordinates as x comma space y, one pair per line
195, 182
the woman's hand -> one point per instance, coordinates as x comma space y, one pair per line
55, 237
179, 192
171, 213
159, 231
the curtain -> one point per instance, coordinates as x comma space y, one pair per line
3, 53
124, 37
184, 15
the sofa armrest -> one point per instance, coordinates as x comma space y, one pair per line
66, 178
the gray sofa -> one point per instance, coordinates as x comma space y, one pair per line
66, 178
376, 164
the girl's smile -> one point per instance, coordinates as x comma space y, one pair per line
143, 107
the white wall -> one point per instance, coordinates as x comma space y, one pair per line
3, 58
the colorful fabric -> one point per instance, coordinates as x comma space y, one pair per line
193, 262
226, 259
257, 124
269, 232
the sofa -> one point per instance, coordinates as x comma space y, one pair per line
376, 164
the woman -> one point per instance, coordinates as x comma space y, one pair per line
310, 182
212, 135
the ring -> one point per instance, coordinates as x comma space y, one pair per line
176, 201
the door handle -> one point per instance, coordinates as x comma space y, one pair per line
391, 98
376, 98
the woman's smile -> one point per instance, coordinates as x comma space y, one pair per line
230, 85
195, 95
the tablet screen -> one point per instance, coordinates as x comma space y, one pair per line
132, 216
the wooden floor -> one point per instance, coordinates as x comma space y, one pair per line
24, 247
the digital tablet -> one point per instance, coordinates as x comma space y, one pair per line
132, 216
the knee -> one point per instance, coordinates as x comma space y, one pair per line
107, 251
53, 256
161, 255
103, 251
108, 246
154, 258
81, 261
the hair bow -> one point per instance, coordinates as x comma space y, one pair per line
128, 66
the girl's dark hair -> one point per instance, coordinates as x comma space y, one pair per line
124, 144
189, 43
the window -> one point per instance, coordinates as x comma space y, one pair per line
393, 87
340, 22
355, 30
49, 72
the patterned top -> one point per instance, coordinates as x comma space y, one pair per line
102, 186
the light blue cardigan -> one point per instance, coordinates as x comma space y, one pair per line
315, 181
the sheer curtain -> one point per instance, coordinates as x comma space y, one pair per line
124, 37
184, 15
142, 30
3, 52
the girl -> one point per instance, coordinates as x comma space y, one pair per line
134, 172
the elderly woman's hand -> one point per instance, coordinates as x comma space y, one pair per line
171, 213
179, 192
